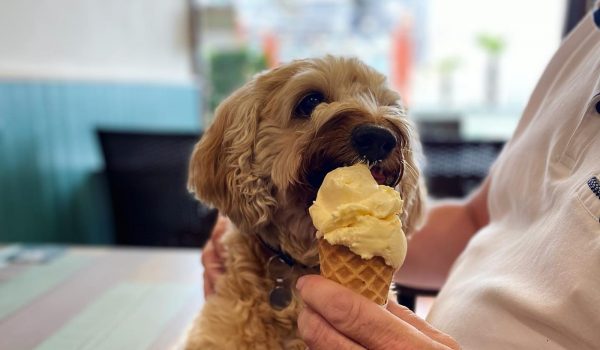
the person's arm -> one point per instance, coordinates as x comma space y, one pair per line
449, 226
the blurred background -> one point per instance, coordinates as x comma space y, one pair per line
102, 101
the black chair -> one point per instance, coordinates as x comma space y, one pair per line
407, 296
454, 168
147, 175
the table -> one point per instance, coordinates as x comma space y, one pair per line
103, 298
100, 298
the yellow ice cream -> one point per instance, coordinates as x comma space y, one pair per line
351, 209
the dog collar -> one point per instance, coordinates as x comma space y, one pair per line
280, 269
286, 258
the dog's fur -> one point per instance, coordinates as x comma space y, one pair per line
257, 164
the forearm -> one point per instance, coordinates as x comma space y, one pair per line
448, 228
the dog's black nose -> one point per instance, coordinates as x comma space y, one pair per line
372, 141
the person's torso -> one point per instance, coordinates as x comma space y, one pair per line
531, 279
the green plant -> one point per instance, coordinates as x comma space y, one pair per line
446, 68
493, 46
448, 65
229, 69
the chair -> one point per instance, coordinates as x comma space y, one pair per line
147, 175
407, 296
454, 167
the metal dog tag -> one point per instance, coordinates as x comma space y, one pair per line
278, 269
280, 273
280, 297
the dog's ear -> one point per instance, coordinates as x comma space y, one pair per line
222, 166
412, 187
414, 207
206, 176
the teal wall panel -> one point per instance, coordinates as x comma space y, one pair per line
49, 152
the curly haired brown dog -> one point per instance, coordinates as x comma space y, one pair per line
262, 162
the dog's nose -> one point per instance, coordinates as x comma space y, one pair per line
373, 142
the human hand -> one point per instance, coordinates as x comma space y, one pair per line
337, 318
214, 255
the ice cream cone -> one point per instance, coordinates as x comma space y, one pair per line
371, 278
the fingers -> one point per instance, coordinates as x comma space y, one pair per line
346, 311
318, 334
211, 260
209, 288
221, 225
214, 251
219, 230
209, 256
214, 255
212, 272
360, 319
421, 325
213, 268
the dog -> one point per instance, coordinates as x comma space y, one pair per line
261, 163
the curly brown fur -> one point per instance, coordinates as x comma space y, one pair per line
261, 165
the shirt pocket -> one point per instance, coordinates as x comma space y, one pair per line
586, 131
588, 194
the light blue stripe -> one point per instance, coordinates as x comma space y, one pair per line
130, 316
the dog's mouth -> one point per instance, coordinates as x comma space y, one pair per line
346, 141
384, 174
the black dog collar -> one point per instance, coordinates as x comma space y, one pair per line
280, 269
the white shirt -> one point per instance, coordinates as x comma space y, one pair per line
531, 279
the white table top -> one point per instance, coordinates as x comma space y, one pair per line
100, 298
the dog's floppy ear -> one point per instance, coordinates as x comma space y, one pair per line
414, 207
205, 177
412, 187
221, 168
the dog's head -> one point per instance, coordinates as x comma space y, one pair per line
272, 142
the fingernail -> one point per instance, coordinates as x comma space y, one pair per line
300, 282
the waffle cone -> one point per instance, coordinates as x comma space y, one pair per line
370, 278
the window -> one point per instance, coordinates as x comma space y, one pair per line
456, 62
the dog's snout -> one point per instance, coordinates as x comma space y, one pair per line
373, 142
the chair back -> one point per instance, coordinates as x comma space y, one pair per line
455, 167
147, 175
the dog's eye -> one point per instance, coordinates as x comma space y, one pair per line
308, 104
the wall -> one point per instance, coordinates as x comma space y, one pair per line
68, 67
144, 40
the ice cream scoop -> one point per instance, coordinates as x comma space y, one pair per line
361, 242
351, 209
